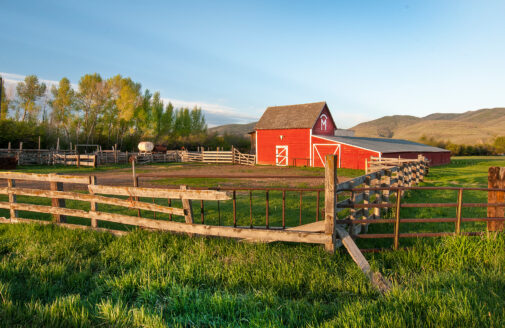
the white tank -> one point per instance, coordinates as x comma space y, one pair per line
146, 146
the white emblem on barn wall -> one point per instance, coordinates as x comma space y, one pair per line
324, 119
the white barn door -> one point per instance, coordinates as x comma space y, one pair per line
281, 155
319, 152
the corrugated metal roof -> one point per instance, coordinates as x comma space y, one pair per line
385, 145
302, 116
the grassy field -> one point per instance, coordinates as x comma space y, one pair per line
51, 276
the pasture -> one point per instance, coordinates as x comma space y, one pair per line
51, 276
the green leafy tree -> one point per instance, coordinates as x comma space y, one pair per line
156, 117
28, 93
197, 121
63, 106
143, 114
93, 97
125, 99
4, 105
499, 145
167, 121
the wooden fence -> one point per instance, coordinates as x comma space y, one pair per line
103, 157
77, 160
381, 163
405, 174
349, 207
115, 195
224, 157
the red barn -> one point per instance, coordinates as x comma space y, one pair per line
304, 134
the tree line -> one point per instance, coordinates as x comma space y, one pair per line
497, 147
98, 110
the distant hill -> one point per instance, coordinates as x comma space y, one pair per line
233, 129
470, 128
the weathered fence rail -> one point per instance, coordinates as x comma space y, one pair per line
349, 207
111, 195
224, 157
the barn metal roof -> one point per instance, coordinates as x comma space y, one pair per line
302, 116
385, 145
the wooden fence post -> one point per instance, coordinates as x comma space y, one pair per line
377, 182
12, 198
188, 207
57, 202
459, 211
38, 154
366, 197
386, 183
232, 155
496, 179
330, 200
397, 219
93, 205
20, 154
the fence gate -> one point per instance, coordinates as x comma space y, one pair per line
281, 155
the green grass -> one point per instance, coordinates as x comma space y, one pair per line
53, 277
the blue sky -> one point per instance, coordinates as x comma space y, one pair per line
367, 59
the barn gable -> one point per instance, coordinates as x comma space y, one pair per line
302, 116
325, 125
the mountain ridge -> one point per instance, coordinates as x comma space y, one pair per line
470, 128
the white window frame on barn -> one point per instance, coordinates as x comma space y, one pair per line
280, 157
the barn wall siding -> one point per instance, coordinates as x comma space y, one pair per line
350, 157
297, 140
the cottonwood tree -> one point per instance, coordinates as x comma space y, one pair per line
92, 96
4, 105
63, 106
197, 121
126, 98
29, 92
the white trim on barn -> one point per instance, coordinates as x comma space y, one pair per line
256, 140
343, 143
314, 149
281, 155
310, 148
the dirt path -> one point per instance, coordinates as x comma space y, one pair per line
202, 175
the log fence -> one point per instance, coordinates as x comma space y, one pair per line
349, 208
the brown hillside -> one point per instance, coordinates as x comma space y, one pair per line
471, 128
233, 129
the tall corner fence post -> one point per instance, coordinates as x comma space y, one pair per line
93, 204
187, 206
459, 211
11, 183
496, 180
397, 219
330, 200
57, 202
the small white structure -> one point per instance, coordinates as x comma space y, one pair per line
146, 147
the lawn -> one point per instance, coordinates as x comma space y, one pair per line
50, 276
